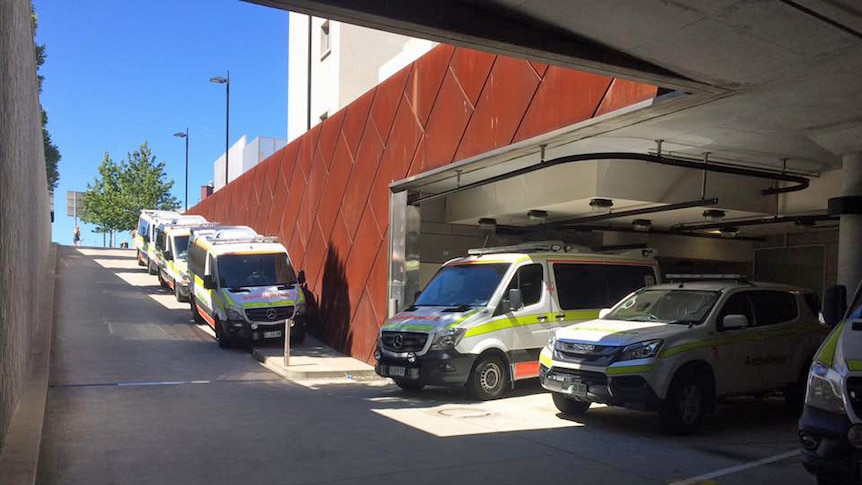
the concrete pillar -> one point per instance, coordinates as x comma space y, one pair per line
850, 228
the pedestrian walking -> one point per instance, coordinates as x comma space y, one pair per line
76, 236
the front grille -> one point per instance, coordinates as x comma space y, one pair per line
404, 341
580, 353
270, 314
587, 377
854, 392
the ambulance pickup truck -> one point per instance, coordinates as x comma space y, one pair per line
677, 347
830, 429
482, 320
243, 285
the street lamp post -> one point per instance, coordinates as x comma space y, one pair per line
226, 82
186, 136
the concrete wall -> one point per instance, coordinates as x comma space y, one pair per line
25, 230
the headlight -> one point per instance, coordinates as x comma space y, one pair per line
641, 350
448, 339
825, 389
300, 308
234, 314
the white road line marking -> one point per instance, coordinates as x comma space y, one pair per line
737, 468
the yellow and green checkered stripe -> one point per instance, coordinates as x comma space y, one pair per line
526, 320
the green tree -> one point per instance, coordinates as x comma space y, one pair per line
52, 152
113, 201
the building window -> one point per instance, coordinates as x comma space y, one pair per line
325, 46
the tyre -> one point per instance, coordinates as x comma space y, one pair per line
152, 268
686, 404
488, 379
195, 314
570, 406
140, 259
836, 478
408, 385
222, 336
179, 296
162, 282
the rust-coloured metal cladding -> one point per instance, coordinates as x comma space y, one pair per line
471, 69
364, 322
624, 93
418, 165
288, 163
336, 184
541, 69
330, 133
294, 202
362, 253
316, 251
359, 184
311, 198
386, 101
263, 211
378, 280
297, 251
557, 105
501, 107
276, 211
447, 124
355, 120
307, 147
425, 80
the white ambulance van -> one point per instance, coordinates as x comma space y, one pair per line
830, 429
172, 244
244, 286
482, 320
677, 347
145, 236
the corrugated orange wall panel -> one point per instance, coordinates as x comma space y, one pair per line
326, 194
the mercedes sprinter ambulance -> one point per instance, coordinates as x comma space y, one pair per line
244, 286
145, 236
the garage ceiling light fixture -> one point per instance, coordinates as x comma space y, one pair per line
728, 231
642, 224
601, 205
713, 215
536, 215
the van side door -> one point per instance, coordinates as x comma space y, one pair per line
530, 323
737, 351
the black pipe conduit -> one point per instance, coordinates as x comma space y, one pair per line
561, 224
801, 182
761, 221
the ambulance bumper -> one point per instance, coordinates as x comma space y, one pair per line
825, 447
631, 391
436, 368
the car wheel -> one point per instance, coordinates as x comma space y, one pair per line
178, 295
570, 406
835, 478
488, 379
408, 385
222, 335
141, 259
152, 268
686, 404
162, 282
195, 313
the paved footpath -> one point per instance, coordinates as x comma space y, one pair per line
140, 395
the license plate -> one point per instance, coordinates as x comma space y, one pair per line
396, 371
273, 334
575, 388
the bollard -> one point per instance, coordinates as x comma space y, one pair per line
287, 324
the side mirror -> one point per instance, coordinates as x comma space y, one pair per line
300, 278
834, 304
516, 300
734, 322
603, 312
209, 282
169, 256
146, 238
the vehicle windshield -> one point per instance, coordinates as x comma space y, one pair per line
241, 270
181, 247
666, 306
463, 285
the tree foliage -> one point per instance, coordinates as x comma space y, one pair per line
52, 152
116, 196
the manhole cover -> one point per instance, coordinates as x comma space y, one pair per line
464, 413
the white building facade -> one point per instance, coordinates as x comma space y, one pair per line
346, 61
243, 156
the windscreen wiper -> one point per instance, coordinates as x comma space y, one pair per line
463, 307
239, 290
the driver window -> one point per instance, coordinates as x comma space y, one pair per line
528, 279
737, 304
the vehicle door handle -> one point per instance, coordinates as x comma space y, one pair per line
542, 318
560, 316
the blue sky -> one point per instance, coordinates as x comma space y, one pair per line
120, 73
